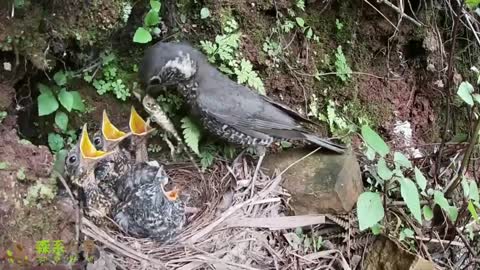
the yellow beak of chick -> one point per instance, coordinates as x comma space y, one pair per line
87, 149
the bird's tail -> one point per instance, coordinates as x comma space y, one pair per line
325, 143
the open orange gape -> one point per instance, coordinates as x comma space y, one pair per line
87, 149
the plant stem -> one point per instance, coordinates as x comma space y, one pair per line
466, 160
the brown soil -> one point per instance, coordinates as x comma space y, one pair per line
20, 225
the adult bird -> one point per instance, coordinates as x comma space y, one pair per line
80, 165
227, 109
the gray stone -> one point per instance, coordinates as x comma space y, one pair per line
322, 183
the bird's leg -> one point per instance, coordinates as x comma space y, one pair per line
261, 151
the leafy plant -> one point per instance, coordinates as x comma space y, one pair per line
343, 70
110, 79
61, 101
191, 133
225, 53
143, 34
204, 13
369, 206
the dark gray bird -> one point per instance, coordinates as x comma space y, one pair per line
226, 108
146, 210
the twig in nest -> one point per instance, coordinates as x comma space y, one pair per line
259, 196
78, 213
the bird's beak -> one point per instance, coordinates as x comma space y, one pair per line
110, 132
173, 194
138, 126
87, 149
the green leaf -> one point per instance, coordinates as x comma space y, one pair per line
204, 13
376, 229
60, 78
47, 103
191, 134
420, 178
61, 119
410, 195
155, 5
300, 21
369, 209
406, 233
142, 36
473, 191
472, 210
439, 198
66, 99
427, 212
383, 171
77, 101
476, 98
401, 160
4, 165
152, 18
60, 157
465, 91
375, 141
43, 88
453, 213
309, 33
21, 174
370, 153
55, 142
472, 4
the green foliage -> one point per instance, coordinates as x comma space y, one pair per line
55, 142
410, 194
409, 190
191, 133
204, 13
440, 199
472, 4
3, 115
224, 52
40, 192
338, 24
246, 74
4, 165
49, 101
21, 174
143, 34
110, 79
374, 141
342, 68
369, 210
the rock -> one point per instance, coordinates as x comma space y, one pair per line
321, 183
380, 257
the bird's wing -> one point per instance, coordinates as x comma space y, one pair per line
236, 105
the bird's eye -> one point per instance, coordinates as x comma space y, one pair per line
97, 142
72, 159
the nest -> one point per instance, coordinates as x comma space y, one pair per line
230, 230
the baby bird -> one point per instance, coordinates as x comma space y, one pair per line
80, 169
145, 209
